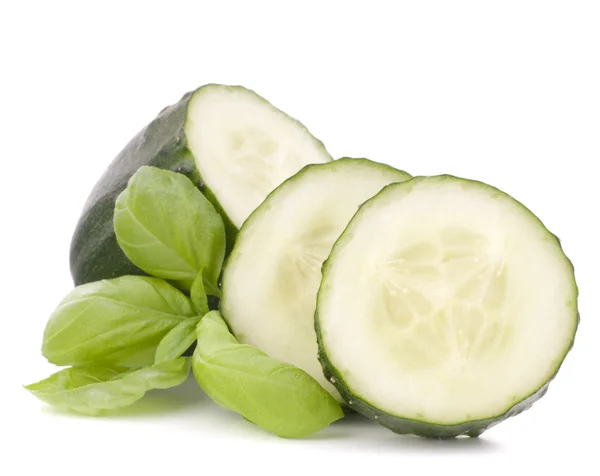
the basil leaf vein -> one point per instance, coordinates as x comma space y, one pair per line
177, 341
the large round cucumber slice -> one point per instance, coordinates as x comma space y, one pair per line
272, 276
445, 307
232, 143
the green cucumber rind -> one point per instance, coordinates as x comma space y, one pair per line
401, 425
95, 253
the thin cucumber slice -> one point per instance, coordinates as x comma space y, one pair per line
271, 279
233, 144
445, 307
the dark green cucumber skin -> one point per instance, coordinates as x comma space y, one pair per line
405, 426
95, 254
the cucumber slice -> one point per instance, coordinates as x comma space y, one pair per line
271, 279
233, 144
445, 307
244, 147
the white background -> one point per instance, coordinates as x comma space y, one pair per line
504, 92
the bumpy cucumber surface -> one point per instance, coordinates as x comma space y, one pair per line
445, 307
272, 276
233, 144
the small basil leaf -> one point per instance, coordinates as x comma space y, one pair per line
276, 396
177, 341
167, 228
93, 390
114, 322
198, 295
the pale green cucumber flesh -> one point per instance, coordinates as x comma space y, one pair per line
272, 276
460, 307
245, 147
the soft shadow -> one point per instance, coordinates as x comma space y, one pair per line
155, 403
355, 430
456, 445
163, 402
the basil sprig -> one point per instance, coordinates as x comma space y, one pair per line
125, 336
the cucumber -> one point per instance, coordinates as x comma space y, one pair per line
233, 144
445, 307
272, 276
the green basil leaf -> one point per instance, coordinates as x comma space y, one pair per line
116, 322
198, 295
93, 390
276, 396
167, 228
177, 341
